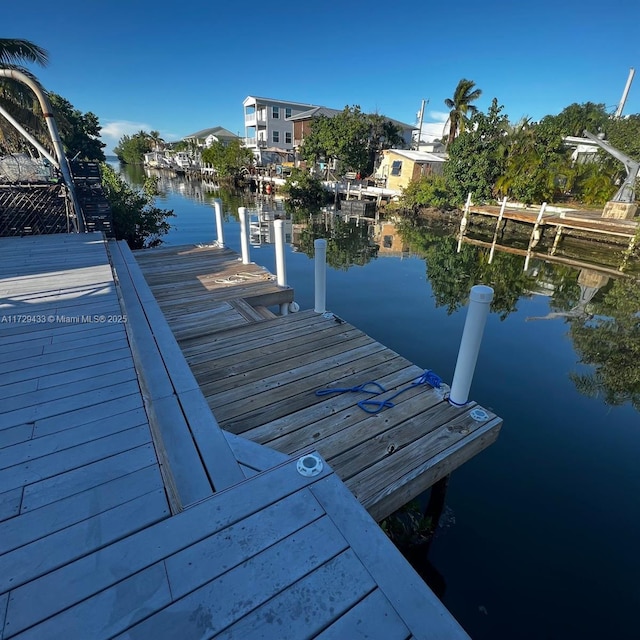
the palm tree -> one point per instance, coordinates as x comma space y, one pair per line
156, 140
461, 107
15, 52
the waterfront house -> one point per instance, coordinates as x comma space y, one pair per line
398, 167
267, 125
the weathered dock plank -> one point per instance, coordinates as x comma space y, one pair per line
260, 379
88, 545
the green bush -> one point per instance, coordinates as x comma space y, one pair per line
428, 191
304, 192
135, 217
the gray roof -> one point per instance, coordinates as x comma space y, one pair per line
330, 113
219, 132
315, 112
278, 101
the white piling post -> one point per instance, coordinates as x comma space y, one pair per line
320, 247
244, 234
281, 268
479, 301
217, 205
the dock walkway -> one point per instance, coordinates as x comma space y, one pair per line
126, 512
259, 376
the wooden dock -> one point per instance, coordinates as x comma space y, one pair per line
125, 511
260, 376
583, 221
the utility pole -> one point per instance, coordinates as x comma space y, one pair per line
625, 93
420, 121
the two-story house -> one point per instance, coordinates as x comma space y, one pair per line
267, 125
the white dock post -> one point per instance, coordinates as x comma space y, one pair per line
320, 263
281, 268
479, 301
217, 205
244, 234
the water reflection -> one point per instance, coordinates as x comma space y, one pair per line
350, 240
600, 304
582, 281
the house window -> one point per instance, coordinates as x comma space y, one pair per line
287, 112
287, 137
275, 112
396, 168
276, 136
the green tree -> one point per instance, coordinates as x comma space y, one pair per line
156, 140
136, 219
131, 149
461, 108
342, 138
477, 157
305, 192
228, 159
383, 134
537, 164
80, 132
427, 191
624, 134
575, 118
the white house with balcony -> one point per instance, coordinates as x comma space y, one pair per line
268, 129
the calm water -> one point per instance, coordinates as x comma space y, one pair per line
541, 534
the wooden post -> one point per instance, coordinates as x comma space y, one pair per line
437, 501
495, 233
556, 240
463, 222
535, 235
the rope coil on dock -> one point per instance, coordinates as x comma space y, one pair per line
373, 406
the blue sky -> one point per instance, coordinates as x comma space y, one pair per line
181, 67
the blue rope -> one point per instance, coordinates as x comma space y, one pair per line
360, 387
376, 406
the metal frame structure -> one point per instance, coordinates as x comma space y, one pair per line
47, 111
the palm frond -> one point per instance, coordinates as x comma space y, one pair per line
16, 51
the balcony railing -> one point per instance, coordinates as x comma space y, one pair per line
252, 119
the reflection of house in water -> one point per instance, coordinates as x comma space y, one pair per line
590, 282
193, 188
261, 227
389, 240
